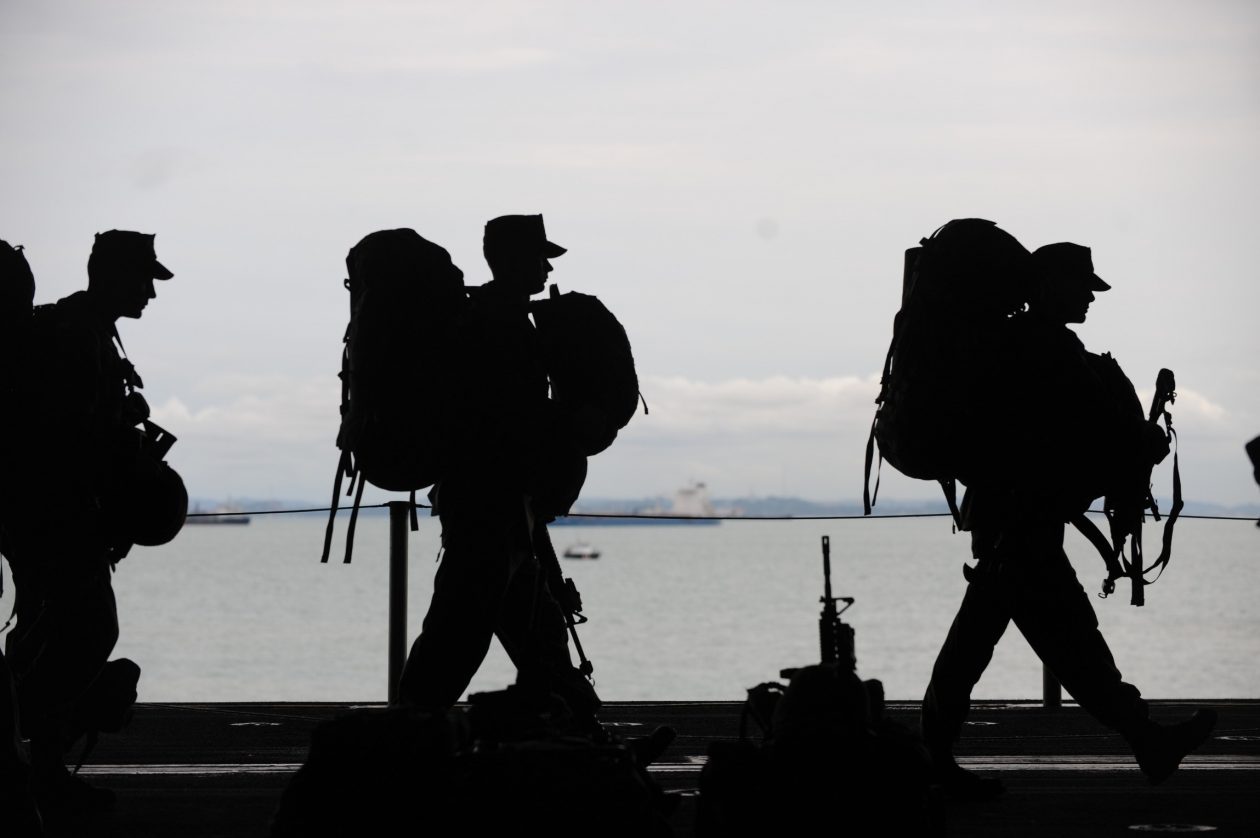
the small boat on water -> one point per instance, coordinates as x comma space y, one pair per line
581, 550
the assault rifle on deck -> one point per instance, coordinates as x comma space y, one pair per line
835, 637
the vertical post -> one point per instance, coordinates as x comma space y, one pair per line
399, 516
1051, 691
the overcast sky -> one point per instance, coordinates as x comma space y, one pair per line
736, 180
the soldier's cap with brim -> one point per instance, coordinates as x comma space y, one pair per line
129, 250
1065, 259
523, 233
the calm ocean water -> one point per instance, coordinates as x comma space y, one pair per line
232, 613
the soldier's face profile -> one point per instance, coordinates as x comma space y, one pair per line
1076, 305
543, 271
1067, 299
132, 293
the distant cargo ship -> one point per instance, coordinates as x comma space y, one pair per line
691, 507
197, 515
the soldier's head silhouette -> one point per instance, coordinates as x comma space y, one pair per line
1065, 273
121, 271
517, 250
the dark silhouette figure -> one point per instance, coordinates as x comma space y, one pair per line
510, 468
17, 292
1069, 430
1253, 452
72, 519
495, 768
829, 755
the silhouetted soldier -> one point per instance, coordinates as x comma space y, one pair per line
1253, 452
1074, 425
79, 412
509, 465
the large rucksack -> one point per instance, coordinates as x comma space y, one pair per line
594, 393
590, 365
17, 291
406, 303
940, 415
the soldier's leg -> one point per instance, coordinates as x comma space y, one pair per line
67, 618
1057, 618
981, 620
533, 632
468, 593
1059, 622
17, 799
70, 629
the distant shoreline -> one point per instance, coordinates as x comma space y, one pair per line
752, 508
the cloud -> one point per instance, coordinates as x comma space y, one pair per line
778, 405
1194, 408
257, 436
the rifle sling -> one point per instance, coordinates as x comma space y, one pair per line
1104, 547
1174, 512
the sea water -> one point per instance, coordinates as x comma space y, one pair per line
248, 613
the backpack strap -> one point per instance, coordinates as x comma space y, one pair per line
1110, 555
343, 468
869, 497
354, 513
950, 487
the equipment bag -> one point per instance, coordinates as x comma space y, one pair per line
591, 367
937, 416
406, 303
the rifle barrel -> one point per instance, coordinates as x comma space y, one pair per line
826, 551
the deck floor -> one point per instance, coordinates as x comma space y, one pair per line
218, 769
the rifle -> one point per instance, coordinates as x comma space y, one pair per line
835, 637
1125, 517
564, 590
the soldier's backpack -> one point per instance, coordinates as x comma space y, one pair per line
590, 365
17, 291
938, 417
406, 303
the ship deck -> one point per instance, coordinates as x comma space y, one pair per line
218, 769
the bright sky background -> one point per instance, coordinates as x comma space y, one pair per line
736, 180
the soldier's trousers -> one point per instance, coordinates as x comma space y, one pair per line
67, 618
489, 584
1025, 577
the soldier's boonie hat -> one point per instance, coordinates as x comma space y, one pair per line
1065, 259
128, 250
522, 233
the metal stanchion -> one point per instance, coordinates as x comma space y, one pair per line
1051, 691
399, 515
